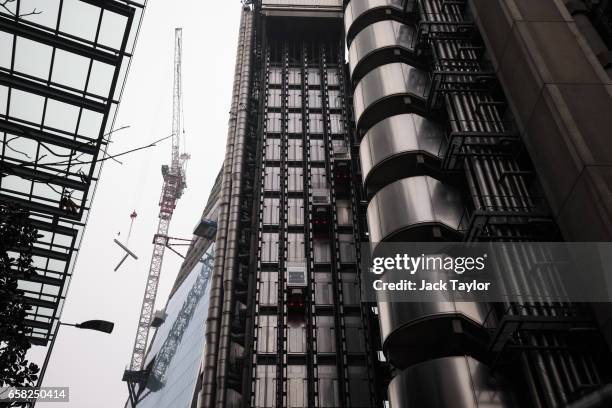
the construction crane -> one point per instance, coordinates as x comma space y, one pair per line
172, 190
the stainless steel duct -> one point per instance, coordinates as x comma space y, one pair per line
601, 398
207, 394
231, 253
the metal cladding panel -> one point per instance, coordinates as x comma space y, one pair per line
383, 34
458, 382
412, 202
356, 8
415, 332
388, 145
386, 81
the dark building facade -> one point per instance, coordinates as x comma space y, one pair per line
398, 121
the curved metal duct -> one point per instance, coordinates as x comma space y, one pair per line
409, 209
388, 90
457, 382
415, 332
600, 398
398, 147
381, 43
360, 13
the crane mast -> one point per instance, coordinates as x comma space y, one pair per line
172, 190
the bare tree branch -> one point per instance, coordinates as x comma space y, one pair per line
3, 4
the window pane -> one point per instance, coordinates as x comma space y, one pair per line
350, 288
266, 334
295, 76
112, 29
314, 98
318, 177
273, 122
90, 124
297, 384
269, 247
272, 179
265, 386
347, 248
296, 341
271, 211
326, 332
273, 149
322, 251
296, 181
70, 69
315, 123
33, 58
274, 98
79, 19
332, 77
61, 116
26, 106
324, 288
334, 99
48, 11
295, 98
314, 76
20, 148
295, 149
317, 150
268, 288
337, 125
295, 247
345, 216
3, 99
276, 76
295, 123
100, 79
6, 49
296, 211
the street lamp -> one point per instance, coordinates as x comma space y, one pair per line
96, 325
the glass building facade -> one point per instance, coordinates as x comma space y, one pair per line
175, 354
63, 65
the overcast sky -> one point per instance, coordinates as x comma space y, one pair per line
92, 363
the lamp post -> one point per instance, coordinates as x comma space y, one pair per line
96, 325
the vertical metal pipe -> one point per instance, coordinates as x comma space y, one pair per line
207, 394
231, 254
